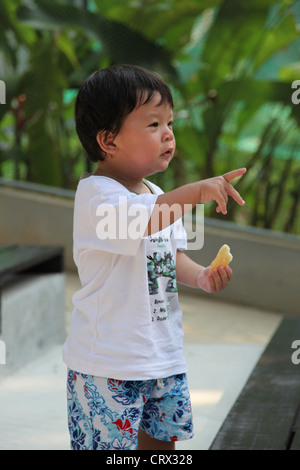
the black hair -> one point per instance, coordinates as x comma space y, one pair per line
107, 96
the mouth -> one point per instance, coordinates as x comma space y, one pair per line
168, 153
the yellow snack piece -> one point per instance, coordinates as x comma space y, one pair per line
223, 258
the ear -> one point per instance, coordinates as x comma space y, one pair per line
105, 141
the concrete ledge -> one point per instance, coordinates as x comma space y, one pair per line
37, 215
266, 267
265, 415
32, 318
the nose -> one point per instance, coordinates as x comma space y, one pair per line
168, 134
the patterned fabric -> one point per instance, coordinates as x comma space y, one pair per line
105, 414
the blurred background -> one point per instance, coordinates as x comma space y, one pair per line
233, 67
234, 70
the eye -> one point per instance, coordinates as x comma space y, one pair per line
154, 124
171, 124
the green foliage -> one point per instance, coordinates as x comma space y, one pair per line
230, 65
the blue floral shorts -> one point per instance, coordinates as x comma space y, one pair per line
106, 414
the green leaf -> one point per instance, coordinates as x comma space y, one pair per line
277, 38
121, 44
232, 40
11, 30
290, 73
42, 156
170, 20
66, 45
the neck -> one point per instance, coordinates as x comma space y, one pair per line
133, 184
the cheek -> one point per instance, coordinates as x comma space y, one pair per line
151, 141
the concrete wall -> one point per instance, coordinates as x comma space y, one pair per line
37, 215
266, 264
32, 318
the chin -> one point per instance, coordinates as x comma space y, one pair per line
162, 166
166, 163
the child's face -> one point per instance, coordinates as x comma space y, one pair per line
145, 144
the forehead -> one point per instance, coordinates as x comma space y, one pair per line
153, 106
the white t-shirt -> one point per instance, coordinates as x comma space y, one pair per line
127, 322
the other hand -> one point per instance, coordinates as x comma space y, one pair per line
215, 281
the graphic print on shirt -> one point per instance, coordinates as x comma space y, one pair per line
161, 277
161, 265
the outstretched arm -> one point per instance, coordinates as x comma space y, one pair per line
174, 204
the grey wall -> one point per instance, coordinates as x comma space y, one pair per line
30, 216
265, 265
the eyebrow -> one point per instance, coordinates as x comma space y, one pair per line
155, 113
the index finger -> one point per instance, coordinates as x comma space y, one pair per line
234, 174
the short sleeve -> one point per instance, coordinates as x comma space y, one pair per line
108, 217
